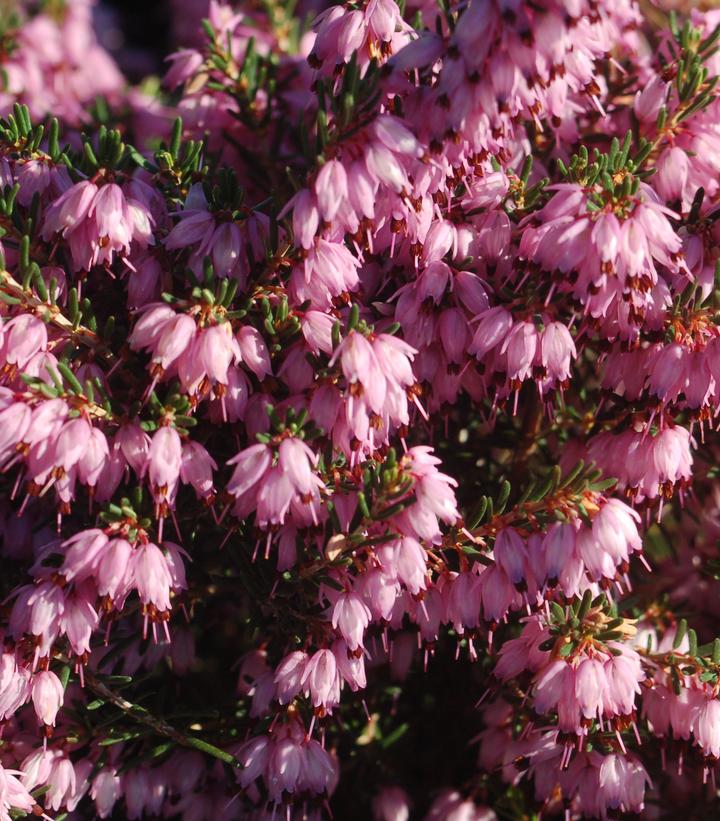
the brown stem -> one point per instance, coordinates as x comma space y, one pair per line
157, 725
52, 314
531, 425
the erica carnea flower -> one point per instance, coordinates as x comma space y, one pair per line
364, 390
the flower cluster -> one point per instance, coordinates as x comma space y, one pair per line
358, 398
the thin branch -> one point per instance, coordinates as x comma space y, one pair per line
157, 725
52, 314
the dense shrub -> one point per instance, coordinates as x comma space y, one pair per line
358, 388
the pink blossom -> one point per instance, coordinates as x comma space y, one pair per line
47, 696
105, 791
350, 616
152, 577
321, 680
164, 462
330, 189
289, 676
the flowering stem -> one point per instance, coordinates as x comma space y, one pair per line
139, 714
531, 424
10, 286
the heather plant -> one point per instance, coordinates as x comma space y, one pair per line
359, 387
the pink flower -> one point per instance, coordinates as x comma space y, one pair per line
154, 319
38, 611
47, 696
174, 340
559, 543
71, 443
383, 166
435, 497
361, 369
615, 530
193, 228
350, 667
321, 681
152, 577
331, 189
164, 462
494, 235
70, 209
82, 553
464, 601
93, 461
673, 167
519, 347
79, 619
321, 769
379, 591
254, 352
492, 330
227, 248
622, 782
284, 768
624, 673
289, 675
97, 221
391, 804
591, 687
350, 616
317, 330
14, 795
297, 461
554, 689
439, 240
522, 653
650, 99
251, 465
141, 794
510, 554
105, 791
274, 497
667, 372
116, 570
15, 421
451, 806
196, 469
707, 728
217, 350
453, 334
15, 687
63, 784
112, 217
33, 176
306, 218
184, 64
557, 349
253, 755
411, 564
672, 456
23, 337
